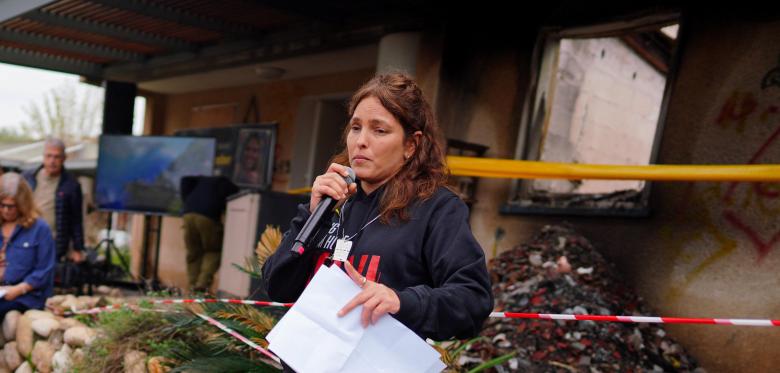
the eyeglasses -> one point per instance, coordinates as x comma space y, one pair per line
7, 206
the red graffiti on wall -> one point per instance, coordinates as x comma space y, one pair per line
770, 110
763, 191
737, 108
756, 156
740, 106
763, 247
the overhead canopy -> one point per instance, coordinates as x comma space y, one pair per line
174, 46
145, 40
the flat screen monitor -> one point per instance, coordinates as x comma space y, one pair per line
142, 173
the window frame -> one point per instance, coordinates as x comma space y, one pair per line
530, 135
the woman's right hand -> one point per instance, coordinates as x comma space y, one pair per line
331, 184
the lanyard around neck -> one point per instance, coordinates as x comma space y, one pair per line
344, 230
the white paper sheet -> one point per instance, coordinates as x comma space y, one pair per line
312, 338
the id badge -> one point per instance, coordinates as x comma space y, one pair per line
341, 253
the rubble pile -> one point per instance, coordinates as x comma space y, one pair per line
559, 271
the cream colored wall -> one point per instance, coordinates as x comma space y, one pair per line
492, 125
711, 248
277, 101
605, 109
486, 114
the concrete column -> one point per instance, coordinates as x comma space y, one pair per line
398, 52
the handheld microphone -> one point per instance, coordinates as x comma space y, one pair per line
323, 211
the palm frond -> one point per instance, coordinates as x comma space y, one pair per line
269, 241
456, 351
223, 364
217, 353
260, 341
445, 356
250, 267
250, 317
266, 246
493, 362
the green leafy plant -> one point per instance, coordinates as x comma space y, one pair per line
450, 352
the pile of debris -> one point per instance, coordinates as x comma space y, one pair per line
559, 271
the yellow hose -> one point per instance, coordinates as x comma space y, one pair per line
514, 169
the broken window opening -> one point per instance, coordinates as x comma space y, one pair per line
597, 100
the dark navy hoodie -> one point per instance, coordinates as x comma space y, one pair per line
432, 262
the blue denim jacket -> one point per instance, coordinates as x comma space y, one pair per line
29, 258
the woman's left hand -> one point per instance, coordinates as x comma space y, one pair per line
377, 299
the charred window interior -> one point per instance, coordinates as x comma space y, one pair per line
598, 98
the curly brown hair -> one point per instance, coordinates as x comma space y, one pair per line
13, 185
424, 171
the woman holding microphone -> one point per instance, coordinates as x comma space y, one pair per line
402, 235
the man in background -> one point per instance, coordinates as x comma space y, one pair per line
58, 195
205, 199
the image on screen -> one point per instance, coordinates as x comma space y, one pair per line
142, 173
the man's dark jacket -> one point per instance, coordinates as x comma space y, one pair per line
68, 214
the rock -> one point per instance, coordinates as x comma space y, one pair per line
77, 355
55, 301
115, 293
61, 362
38, 314
43, 327
24, 368
563, 265
115, 300
535, 259
9, 325
3, 365
68, 323
103, 290
70, 302
42, 354
11, 355
79, 336
57, 338
135, 362
24, 335
87, 302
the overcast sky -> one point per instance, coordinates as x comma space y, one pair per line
19, 86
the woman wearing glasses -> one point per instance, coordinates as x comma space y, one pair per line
26, 249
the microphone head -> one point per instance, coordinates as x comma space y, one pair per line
351, 177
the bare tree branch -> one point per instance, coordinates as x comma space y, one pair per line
70, 112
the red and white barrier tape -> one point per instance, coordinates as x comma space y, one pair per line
234, 301
96, 310
113, 307
637, 319
241, 338
274, 361
510, 315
